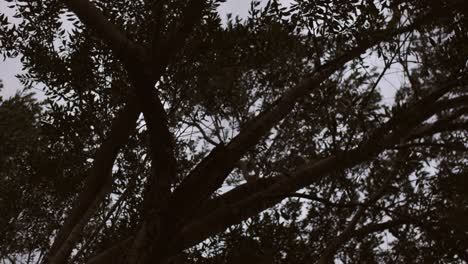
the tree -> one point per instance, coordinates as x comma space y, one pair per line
153, 106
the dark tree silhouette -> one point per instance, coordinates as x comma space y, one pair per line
156, 111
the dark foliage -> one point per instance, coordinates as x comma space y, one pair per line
344, 169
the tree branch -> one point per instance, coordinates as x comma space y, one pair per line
143, 77
243, 207
155, 229
347, 233
164, 49
113, 254
132, 55
92, 17
437, 127
456, 147
96, 185
322, 200
100, 178
116, 207
245, 190
192, 15
209, 175
211, 172
368, 229
372, 228
202, 132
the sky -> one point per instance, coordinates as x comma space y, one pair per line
10, 67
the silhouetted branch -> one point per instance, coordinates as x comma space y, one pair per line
433, 145
348, 232
250, 199
156, 228
243, 207
96, 185
322, 200
93, 18
209, 175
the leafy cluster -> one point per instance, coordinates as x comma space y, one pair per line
396, 191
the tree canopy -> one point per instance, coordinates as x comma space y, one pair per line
170, 134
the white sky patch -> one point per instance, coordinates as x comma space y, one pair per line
9, 67
241, 8
235, 7
391, 81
